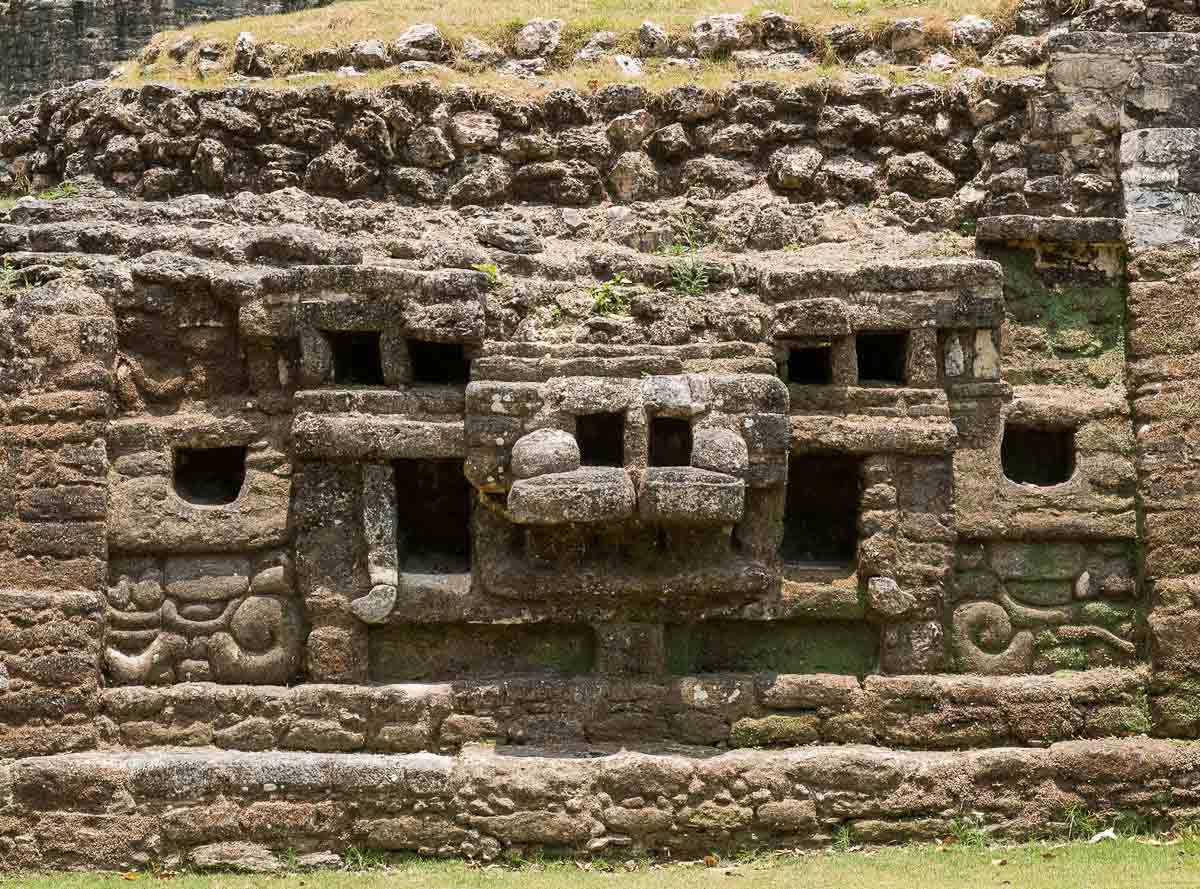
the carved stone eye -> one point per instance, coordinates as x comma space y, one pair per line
255, 623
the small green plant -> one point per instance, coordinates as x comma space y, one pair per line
1082, 823
59, 192
843, 838
610, 298
688, 273
12, 280
290, 859
492, 271
555, 314
968, 831
364, 859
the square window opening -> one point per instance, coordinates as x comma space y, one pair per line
670, 442
209, 476
601, 439
882, 356
433, 516
820, 523
810, 365
1033, 455
439, 362
357, 357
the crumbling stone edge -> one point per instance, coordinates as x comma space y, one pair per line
218, 808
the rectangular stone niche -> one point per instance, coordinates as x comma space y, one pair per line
882, 356
357, 357
439, 362
433, 516
744, 646
1038, 456
210, 476
670, 442
601, 439
436, 652
820, 522
810, 365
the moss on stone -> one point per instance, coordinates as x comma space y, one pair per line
1072, 316
843, 647
1110, 615
1121, 720
1177, 712
1067, 657
775, 730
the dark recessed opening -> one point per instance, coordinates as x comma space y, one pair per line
881, 356
433, 515
670, 442
820, 522
357, 359
1038, 456
810, 365
210, 476
439, 362
601, 439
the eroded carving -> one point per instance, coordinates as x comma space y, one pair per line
195, 618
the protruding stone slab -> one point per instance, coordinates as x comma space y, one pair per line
592, 494
685, 495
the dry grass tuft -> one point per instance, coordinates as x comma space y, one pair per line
344, 23
584, 78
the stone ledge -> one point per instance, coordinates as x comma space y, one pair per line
1088, 229
926, 712
131, 806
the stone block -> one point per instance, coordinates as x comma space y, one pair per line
545, 452
720, 450
591, 494
685, 495
630, 648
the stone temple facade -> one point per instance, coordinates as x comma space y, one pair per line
349, 504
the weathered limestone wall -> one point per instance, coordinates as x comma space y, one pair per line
46, 45
731, 710
53, 537
1100, 85
1160, 188
849, 141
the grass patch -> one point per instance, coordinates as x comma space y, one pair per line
59, 192
23, 189
1113, 864
710, 74
346, 22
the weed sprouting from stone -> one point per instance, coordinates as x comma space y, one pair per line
968, 831
364, 859
12, 280
59, 192
688, 273
493, 274
843, 838
611, 297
